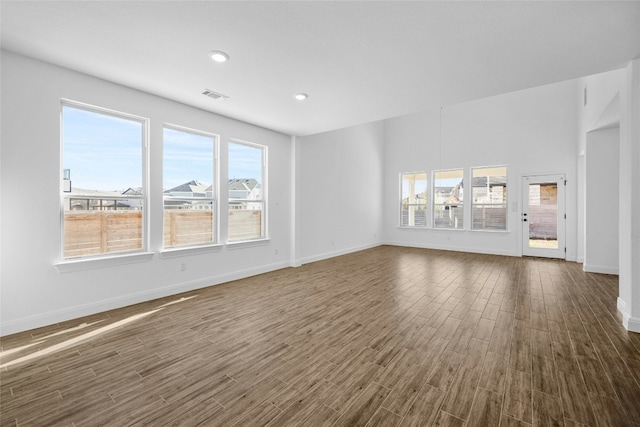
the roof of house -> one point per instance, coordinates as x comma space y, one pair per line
246, 184
481, 181
193, 186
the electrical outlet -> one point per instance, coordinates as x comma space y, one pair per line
183, 266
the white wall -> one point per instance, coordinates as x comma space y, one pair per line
340, 191
533, 131
602, 201
598, 112
629, 293
33, 293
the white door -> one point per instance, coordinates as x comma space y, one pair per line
543, 216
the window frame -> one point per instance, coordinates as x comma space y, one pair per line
141, 253
264, 225
425, 205
505, 203
215, 189
434, 204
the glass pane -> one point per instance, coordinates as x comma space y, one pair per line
187, 222
102, 177
413, 215
448, 216
245, 221
245, 165
101, 152
414, 200
489, 198
99, 226
188, 164
245, 186
543, 216
448, 197
489, 217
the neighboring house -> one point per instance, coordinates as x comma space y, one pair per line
243, 189
240, 192
132, 203
489, 190
192, 188
448, 195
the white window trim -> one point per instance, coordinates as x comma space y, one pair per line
214, 198
238, 244
105, 259
263, 200
70, 265
190, 250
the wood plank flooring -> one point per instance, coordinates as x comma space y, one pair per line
389, 336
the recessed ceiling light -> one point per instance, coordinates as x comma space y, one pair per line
300, 96
218, 56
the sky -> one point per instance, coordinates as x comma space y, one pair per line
104, 153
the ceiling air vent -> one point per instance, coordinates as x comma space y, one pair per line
214, 95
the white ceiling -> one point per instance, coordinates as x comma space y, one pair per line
359, 61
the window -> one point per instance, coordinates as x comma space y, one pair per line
489, 198
246, 186
413, 199
447, 199
103, 185
189, 187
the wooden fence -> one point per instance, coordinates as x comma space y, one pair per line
489, 217
245, 225
101, 232
187, 227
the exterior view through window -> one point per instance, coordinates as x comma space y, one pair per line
448, 209
489, 198
543, 215
189, 188
102, 181
413, 199
246, 186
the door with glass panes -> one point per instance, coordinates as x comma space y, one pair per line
543, 216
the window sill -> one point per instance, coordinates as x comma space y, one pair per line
190, 250
457, 230
70, 266
247, 243
491, 231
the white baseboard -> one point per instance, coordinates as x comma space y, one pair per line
604, 269
622, 306
37, 321
630, 323
453, 248
332, 254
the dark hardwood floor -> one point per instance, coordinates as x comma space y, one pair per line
383, 337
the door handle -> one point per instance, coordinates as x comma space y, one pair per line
525, 219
